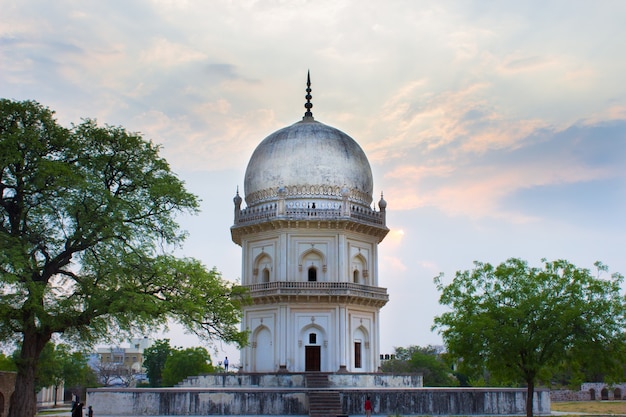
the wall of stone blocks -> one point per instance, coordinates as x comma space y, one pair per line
108, 402
7, 386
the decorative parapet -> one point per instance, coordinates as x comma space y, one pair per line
269, 211
308, 191
350, 292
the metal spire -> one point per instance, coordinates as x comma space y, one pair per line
308, 105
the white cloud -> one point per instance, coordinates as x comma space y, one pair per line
164, 53
465, 109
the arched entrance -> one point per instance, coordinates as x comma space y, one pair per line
312, 337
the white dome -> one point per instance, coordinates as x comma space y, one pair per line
308, 160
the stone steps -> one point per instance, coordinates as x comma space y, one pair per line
316, 380
324, 404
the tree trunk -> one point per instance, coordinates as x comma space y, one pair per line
530, 392
24, 398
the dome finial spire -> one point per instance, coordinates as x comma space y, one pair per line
308, 105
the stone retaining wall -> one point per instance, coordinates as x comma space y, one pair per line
290, 380
569, 395
591, 391
108, 402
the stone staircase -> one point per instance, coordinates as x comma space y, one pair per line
322, 402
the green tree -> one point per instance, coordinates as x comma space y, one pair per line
186, 362
520, 323
87, 230
154, 359
427, 361
7, 363
50, 370
77, 373
432, 366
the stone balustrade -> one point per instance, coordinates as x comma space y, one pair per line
322, 290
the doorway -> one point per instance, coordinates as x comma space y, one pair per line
312, 358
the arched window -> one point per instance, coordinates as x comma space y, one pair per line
355, 276
312, 274
266, 275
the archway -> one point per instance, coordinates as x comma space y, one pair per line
263, 350
604, 394
312, 265
359, 270
617, 394
313, 338
262, 268
360, 348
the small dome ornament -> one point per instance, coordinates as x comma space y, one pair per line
382, 204
308, 105
237, 199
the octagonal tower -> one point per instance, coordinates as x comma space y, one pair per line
309, 242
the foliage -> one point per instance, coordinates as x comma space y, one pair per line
186, 362
76, 370
7, 363
50, 370
428, 361
521, 323
154, 358
87, 226
58, 364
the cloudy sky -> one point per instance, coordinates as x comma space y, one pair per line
495, 129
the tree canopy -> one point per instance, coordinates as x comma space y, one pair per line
182, 363
522, 323
154, 358
428, 361
87, 231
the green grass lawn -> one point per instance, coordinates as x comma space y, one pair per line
614, 408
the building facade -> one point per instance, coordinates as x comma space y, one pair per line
309, 240
121, 365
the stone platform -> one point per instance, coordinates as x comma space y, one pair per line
289, 395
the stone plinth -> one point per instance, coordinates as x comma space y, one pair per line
287, 395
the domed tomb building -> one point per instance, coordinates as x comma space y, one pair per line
309, 240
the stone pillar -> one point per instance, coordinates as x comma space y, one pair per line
280, 206
343, 336
281, 328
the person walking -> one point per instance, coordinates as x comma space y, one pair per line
226, 364
368, 407
78, 410
90, 412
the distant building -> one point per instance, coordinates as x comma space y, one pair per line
117, 365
